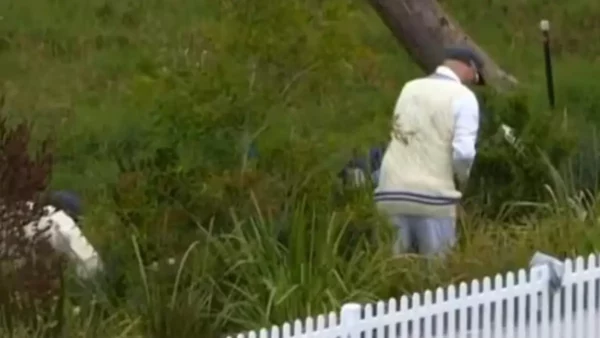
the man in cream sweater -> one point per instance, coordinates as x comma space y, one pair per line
434, 130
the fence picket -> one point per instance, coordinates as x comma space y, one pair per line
579, 299
568, 302
591, 320
425, 323
498, 310
451, 314
486, 310
462, 315
440, 325
510, 304
309, 326
321, 323
380, 330
369, 314
287, 331
332, 322
275, 332
402, 321
521, 305
415, 324
545, 309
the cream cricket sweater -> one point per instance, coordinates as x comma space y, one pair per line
417, 171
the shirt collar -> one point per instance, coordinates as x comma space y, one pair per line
446, 71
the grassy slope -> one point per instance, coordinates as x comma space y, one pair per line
322, 77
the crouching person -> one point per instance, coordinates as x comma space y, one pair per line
434, 130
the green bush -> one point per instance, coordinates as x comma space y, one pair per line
31, 272
505, 173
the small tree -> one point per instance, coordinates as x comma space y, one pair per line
30, 271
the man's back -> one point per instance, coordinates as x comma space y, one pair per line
434, 131
418, 163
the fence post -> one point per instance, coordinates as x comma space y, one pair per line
556, 269
350, 317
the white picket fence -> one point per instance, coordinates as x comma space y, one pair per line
521, 305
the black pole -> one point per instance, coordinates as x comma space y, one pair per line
545, 27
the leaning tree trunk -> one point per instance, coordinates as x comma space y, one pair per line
424, 29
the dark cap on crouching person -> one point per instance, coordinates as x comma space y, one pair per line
469, 57
68, 201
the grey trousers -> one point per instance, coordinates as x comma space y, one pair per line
427, 236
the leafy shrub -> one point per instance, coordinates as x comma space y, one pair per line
30, 270
504, 173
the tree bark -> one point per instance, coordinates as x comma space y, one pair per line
423, 28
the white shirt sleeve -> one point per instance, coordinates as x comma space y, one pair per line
68, 238
466, 114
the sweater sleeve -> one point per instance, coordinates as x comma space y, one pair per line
466, 115
68, 238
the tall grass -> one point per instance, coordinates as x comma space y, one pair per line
255, 277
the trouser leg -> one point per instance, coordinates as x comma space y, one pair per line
434, 236
429, 236
403, 241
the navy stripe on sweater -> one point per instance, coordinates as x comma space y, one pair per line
405, 196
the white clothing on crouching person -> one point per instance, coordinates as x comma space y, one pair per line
436, 120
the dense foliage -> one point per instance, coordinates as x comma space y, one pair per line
211, 132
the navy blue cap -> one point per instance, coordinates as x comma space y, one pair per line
467, 56
68, 201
